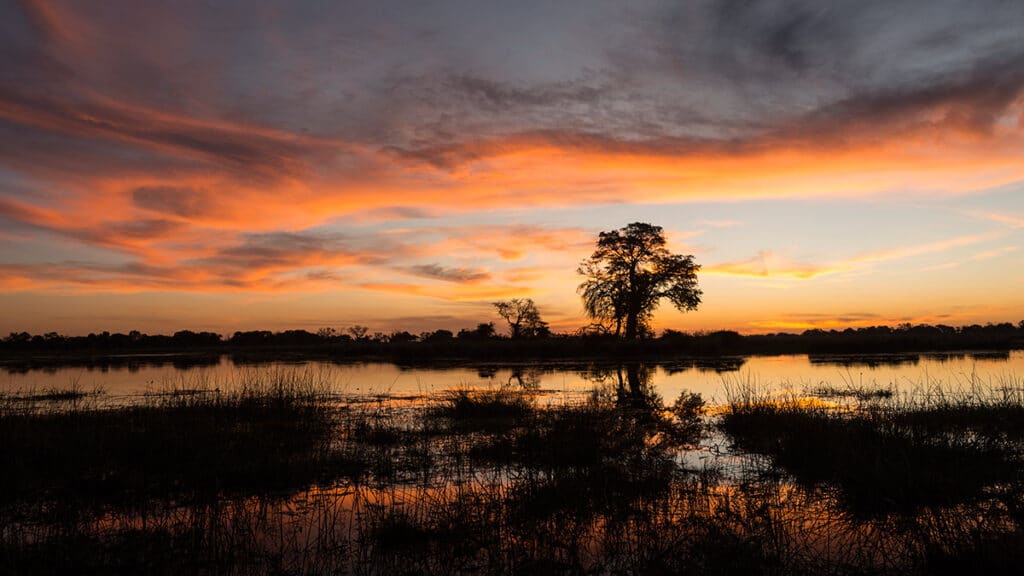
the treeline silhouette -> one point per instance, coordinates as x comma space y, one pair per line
483, 342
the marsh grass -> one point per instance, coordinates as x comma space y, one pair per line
494, 409
48, 398
886, 454
282, 478
50, 395
265, 436
858, 393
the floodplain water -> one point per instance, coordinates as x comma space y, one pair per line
513, 468
129, 376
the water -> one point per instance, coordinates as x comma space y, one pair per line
125, 377
579, 489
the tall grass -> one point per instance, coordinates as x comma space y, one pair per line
278, 477
270, 434
891, 453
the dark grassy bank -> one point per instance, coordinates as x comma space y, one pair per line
201, 483
181, 445
889, 456
279, 479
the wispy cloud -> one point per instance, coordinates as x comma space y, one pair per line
718, 223
1010, 220
767, 264
921, 249
995, 252
456, 293
438, 272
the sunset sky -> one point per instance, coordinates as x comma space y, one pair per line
275, 165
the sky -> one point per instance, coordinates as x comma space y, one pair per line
249, 165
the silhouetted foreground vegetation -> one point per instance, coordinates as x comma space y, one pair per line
281, 478
482, 343
888, 457
181, 444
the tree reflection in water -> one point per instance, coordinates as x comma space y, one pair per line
490, 481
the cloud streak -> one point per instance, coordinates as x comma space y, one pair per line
768, 264
458, 275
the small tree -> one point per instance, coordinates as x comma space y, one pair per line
523, 318
358, 332
628, 275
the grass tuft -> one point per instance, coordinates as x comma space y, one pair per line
882, 459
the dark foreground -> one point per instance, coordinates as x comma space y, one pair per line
278, 478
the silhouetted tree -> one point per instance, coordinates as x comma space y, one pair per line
483, 331
252, 338
402, 337
358, 332
441, 335
187, 338
523, 318
628, 275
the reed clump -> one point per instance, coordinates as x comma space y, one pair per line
270, 435
883, 457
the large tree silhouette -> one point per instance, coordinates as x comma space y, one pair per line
628, 275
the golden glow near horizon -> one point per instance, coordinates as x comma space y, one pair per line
167, 171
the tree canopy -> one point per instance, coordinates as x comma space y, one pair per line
628, 275
523, 318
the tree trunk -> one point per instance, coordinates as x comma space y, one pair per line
633, 302
633, 319
636, 387
631, 326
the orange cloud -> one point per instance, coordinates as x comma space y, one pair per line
800, 322
510, 243
263, 179
133, 278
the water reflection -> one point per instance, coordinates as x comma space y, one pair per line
717, 365
595, 486
896, 360
132, 376
131, 364
869, 360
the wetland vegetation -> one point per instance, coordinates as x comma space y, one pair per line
282, 476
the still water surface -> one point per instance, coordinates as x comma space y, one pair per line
132, 376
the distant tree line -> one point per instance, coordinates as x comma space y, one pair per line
483, 340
